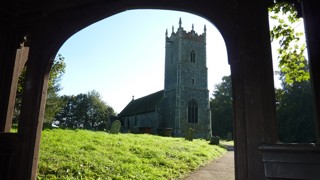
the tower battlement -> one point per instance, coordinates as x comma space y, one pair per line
181, 33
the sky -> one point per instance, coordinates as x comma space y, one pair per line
123, 55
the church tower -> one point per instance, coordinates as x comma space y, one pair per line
185, 87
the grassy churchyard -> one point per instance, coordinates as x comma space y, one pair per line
82, 154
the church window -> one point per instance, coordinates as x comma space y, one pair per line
192, 56
192, 81
192, 112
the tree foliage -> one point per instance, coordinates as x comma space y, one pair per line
294, 99
54, 103
295, 113
86, 111
221, 108
291, 57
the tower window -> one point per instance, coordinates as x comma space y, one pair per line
192, 81
192, 112
192, 56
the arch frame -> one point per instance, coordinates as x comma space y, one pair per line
250, 59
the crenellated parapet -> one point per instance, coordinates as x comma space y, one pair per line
183, 34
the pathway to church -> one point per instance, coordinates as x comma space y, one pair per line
219, 169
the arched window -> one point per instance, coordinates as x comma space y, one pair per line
192, 56
192, 112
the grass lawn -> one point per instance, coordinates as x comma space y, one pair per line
81, 154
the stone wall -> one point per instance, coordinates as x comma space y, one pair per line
145, 120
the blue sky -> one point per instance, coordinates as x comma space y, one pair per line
123, 55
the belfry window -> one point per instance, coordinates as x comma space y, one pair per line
192, 56
192, 112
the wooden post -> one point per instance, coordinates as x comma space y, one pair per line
311, 16
20, 60
32, 113
253, 88
8, 46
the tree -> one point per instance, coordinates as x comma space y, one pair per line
85, 111
294, 99
221, 108
65, 117
295, 113
53, 103
292, 61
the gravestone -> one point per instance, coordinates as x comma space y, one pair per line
215, 140
189, 134
115, 127
167, 132
229, 136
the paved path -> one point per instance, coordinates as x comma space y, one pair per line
219, 169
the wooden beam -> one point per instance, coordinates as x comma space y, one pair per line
8, 142
8, 45
311, 16
20, 60
253, 88
32, 111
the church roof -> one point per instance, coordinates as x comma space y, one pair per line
142, 105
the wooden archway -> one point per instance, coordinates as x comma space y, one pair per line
243, 24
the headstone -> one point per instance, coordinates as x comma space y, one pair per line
229, 136
189, 134
167, 132
215, 140
115, 127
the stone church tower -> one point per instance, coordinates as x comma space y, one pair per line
186, 102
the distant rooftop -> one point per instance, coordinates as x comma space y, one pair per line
143, 105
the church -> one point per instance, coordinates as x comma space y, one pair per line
184, 102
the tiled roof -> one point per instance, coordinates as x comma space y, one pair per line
143, 105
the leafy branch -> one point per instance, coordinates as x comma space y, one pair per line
292, 62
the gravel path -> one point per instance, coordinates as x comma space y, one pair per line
220, 169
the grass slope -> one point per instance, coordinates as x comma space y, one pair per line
81, 154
